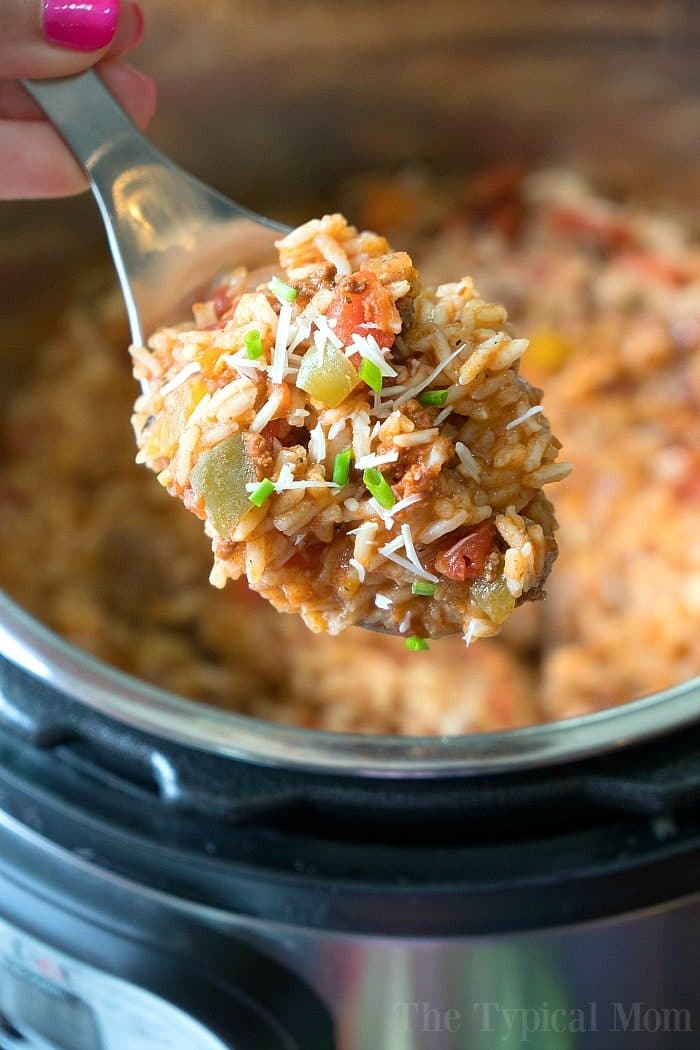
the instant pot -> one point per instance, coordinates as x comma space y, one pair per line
173, 876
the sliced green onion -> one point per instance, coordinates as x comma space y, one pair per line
283, 291
262, 493
371, 375
341, 467
380, 488
433, 397
423, 587
253, 345
415, 644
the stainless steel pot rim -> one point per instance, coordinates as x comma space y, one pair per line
76, 674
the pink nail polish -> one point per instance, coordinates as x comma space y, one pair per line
82, 25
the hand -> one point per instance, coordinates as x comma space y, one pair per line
54, 38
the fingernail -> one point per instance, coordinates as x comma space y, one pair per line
130, 31
82, 25
140, 24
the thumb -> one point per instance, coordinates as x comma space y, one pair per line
55, 38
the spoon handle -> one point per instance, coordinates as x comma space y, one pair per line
111, 151
94, 126
156, 215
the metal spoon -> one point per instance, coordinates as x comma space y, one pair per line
167, 231
169, 234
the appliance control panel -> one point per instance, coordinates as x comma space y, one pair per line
50, 1001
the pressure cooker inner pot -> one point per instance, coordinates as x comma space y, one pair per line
547, 150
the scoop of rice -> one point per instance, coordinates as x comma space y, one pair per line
362, 449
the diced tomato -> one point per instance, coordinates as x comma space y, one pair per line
656, 267
275, 431
688, 490
495, 196
466, 559
223, 301
357, 312
508, 219
608, 230
494, 185
223, 308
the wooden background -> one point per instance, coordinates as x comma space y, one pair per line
282, 93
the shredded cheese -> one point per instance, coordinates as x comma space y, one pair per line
382, 513
416, 437
336, 428
387, 516
368, 347
327, 332
364, 540
321, 342
412, 563
279, 356
410, 549
297, 416
182, 376
298, 334
377, 460
407, 502
241, 359
201, 411
477, 628
379, 409
267, 412
285, 487
467, 461
526, 415
360, 569
244, 365
317, 444
415, 390
360, 434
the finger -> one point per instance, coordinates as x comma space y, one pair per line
16, 104
55, 38
135, 91
129, 32
34, 162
